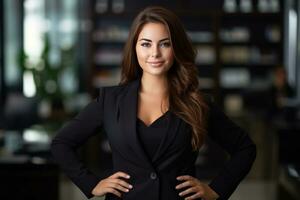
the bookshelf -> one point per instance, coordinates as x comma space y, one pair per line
236, 51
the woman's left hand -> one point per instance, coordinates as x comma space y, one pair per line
195, 189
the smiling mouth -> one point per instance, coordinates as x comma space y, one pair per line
156, 64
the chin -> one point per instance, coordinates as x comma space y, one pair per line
158, 73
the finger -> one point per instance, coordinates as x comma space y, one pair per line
120, 174
187, 191
113, 191
184, 184
122, 183
184, 177
194, 196
117, 186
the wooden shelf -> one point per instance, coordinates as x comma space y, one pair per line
249, 65
255, 14
258, 43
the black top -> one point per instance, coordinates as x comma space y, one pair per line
151, 136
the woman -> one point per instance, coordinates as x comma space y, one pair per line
156, 121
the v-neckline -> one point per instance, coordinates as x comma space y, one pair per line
153, 122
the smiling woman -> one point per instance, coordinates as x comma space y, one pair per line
156, 120
153, 49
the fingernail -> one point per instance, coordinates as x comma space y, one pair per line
130, 186
127, 176
127, 190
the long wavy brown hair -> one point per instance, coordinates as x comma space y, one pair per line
185, 99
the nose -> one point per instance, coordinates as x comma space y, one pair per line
155, 52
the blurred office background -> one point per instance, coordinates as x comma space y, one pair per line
55, 54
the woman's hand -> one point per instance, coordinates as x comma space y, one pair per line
195, 189
112, 184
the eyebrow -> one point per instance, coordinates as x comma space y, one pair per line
148, 40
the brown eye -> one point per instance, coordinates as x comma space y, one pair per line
165, 44
145, 44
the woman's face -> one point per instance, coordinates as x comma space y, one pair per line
153, 49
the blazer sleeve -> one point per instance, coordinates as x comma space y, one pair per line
237, 143
73, 134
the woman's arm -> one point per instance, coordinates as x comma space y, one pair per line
73, 134
237, 143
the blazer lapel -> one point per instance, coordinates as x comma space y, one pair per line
128, 118
169, 136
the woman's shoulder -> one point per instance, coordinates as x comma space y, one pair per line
108, 91
113, 90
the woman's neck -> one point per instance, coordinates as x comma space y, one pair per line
156, 85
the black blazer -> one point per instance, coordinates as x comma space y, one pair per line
115, 110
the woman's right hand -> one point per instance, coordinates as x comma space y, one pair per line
113, 184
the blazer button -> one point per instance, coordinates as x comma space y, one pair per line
153, 176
